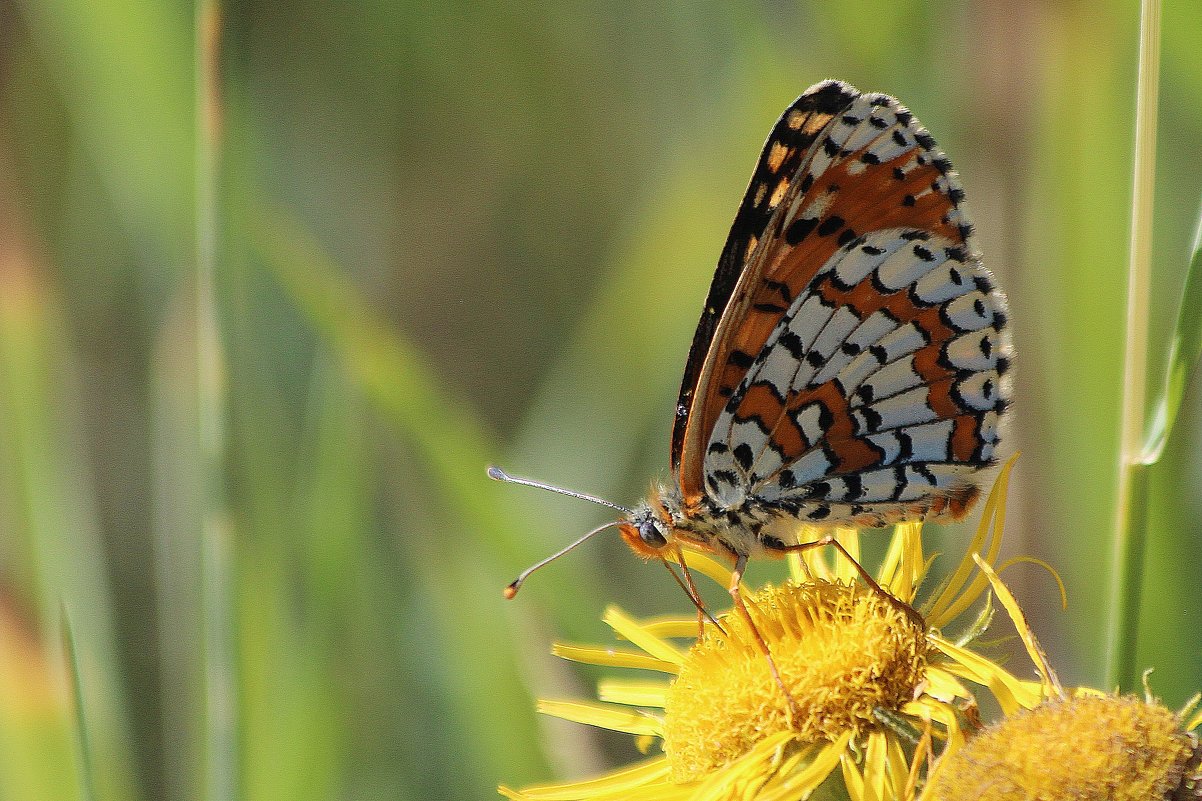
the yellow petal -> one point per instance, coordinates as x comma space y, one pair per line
746, 775
1051, 682
954, 599
925, 709
612, 657
943, 686
904, 566
875, 757
672, 626
898, 768
853, 780
849, 538
604, 715
633, 693
797, 783
1011, 693
625, 625
620, 781
706, 565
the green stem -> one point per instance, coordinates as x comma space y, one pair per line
1130, 534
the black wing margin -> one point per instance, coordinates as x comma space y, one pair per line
783, 152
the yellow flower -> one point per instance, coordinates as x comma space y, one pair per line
872, 686
1086, 745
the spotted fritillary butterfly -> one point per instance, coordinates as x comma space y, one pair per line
851, 364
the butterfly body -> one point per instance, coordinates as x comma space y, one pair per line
852, 362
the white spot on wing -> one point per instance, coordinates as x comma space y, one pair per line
904, 267
969, 312
949, 280
894, 377
968, 351
979, 390
902, 409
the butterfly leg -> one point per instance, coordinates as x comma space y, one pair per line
690, 589
893, 600
735, 579
701, 613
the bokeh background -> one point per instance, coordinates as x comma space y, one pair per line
440, 235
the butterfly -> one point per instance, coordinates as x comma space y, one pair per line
852, 361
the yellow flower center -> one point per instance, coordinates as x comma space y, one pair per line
841, 650
1084, 748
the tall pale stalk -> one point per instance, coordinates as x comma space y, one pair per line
1131, 512
220, 695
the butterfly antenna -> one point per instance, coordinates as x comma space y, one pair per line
516, 584
497, 474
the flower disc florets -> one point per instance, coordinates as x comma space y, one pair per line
842, 650
1083, 748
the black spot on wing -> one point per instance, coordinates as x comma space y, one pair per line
830, 225
799, 229
820, 512
744, 456
740, 359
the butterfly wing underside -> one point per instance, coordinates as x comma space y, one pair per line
852, 357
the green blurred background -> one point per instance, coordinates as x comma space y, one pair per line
453, 233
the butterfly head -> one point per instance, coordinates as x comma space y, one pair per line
646, 532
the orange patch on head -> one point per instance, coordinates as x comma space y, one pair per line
631, 535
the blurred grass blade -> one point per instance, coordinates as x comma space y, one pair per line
118, 65
87, 776
451, 448
217, 560
221, 721
51, 537
391, 373
1184, 352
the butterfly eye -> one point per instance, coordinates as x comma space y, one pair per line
649, 532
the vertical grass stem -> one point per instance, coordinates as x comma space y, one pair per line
1130, 532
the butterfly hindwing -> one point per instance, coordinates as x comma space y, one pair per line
860, 360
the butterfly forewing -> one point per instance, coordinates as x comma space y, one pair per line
858, 361
787, 145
